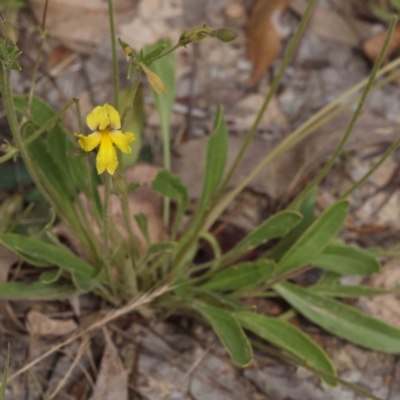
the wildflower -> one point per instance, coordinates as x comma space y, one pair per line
106, 124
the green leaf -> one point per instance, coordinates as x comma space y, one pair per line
216, 156
141, 220
35, 291
154, 53
276, 226
172, 187
221, 300
229, 331
5, 376
341, 319
241, 276
349, 290
289, 338
47, 254
161, 247
316, 237
50, 277
344, 259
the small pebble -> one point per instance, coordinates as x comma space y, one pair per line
234, 11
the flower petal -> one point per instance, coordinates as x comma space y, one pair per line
122, 140
106, 157
88, 143
93, 118
114, 121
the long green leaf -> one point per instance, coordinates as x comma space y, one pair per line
216, 156
316, 237
349, 290
229, 332
47, 253
288, 337
35, 291
241, 276
341, 320
344, 259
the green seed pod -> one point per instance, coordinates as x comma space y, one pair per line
225, 35
194, 35
119, 184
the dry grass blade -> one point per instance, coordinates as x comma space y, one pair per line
142, 300
64, 380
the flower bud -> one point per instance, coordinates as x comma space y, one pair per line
8, 30
126, 49
154, 80
225, 35
194, 35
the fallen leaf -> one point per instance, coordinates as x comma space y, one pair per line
112, 380
264, 35
328, 25
41, 325
81, 24
7, 259
374, 44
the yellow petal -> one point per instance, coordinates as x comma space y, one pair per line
93, 118
88, 143
122, 140
109, 118
106, 157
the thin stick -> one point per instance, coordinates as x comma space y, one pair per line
131, 96
112, 315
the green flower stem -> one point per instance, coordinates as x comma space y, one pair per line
39, 56
171, 50
106, 229
114, 54
288, 56
130, 274
388, 152
131, 96
353, 121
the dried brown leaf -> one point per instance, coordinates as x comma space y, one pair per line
264, 35
373, 45
41, 325
112, 380
7, 259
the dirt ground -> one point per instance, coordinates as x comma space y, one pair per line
176, 359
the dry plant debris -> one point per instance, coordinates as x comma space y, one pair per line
264, 35
41, 325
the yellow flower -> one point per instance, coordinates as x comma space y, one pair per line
106, 124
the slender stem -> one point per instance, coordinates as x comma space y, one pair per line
299, 134
172, 49
353, 121
388, 152
114, 54
131, 96
106, 228
288, 56
39, 56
